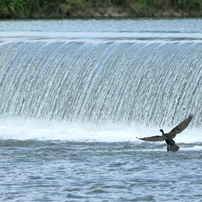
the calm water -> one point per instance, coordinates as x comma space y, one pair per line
108, 30
58, 160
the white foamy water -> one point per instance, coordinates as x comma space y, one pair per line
22, 129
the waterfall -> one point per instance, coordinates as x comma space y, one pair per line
149, 83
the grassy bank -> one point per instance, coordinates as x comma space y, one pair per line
65, 8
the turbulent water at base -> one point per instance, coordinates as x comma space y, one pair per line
146, 83
72, 171
74, 94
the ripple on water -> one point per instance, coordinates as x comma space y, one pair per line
52, 171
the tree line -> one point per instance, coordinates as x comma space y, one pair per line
26, 8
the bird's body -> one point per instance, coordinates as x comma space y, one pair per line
168, 137
171, 146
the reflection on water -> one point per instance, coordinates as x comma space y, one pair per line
113, 30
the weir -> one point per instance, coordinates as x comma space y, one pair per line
156, 83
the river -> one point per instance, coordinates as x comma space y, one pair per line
74, 96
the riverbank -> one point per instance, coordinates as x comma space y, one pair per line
114, 12
27, 9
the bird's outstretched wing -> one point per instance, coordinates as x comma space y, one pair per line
179, 128
153, 138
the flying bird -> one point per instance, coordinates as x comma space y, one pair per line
168, 137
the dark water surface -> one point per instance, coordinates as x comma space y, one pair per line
79, 171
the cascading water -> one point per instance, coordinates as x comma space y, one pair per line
75, 94
103, 82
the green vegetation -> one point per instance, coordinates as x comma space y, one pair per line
19, 8
54, 8
144, 6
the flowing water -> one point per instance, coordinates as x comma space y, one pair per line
74, 94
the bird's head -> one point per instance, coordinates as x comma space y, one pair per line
161, 130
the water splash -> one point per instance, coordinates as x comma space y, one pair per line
41, 129
103, 82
